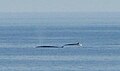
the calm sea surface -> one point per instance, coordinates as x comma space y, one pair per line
19, 35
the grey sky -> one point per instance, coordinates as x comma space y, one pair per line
59, 5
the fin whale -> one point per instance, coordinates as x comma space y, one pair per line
78, 44
47, 47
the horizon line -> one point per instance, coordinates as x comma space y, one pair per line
65, 12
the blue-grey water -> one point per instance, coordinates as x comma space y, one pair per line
21, 33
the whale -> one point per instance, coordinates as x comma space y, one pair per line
48, 47
72, 44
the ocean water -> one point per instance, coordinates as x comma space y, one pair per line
20, 34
